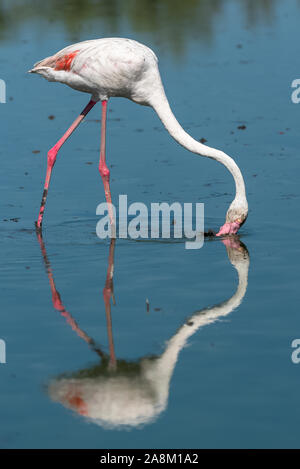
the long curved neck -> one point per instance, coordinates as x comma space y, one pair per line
160, 104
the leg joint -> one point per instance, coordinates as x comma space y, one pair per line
104, 171
52, 153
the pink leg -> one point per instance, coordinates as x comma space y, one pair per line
103, 169
52, 153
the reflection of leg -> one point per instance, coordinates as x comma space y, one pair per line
107, 295
52, 158
57, 302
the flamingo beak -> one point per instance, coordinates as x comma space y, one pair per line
229, 228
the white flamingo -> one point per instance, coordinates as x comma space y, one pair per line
113, 67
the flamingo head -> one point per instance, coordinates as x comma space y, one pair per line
235, 218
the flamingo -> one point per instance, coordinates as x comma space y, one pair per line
119, 67
117, 393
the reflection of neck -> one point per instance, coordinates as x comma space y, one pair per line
160, 371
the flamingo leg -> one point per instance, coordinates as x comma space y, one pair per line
103, 169
52, 153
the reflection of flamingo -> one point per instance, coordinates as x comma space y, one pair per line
119, 393
58, 305
122, 67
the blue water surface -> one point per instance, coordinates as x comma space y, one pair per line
207, 363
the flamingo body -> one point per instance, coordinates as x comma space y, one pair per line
105, 68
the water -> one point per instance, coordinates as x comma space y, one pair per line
209, 365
